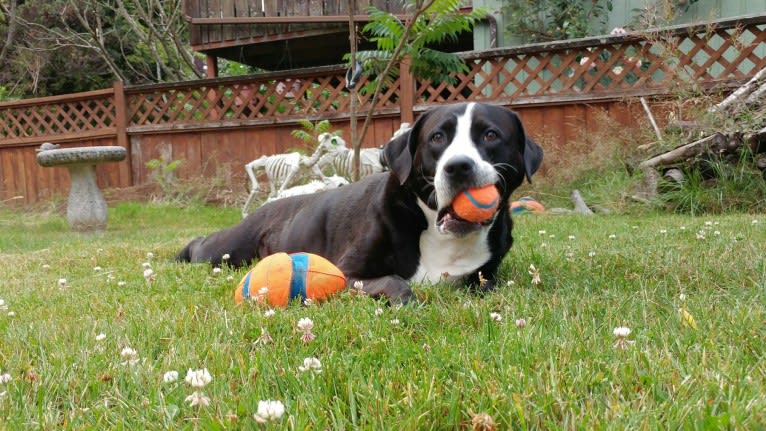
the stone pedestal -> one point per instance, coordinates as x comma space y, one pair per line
86, 207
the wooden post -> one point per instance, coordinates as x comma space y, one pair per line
406, 92
356, 143
212, 66
121, 126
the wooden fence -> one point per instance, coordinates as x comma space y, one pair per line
557, 88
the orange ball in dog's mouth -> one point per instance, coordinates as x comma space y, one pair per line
478, 204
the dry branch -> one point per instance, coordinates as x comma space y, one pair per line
684, 152
758, 81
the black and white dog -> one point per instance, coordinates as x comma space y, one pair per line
397, 227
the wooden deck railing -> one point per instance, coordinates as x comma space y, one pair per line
219, 20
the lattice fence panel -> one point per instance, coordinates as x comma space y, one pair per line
57, 118
297, 97
618, 66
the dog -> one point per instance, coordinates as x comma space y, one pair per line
397, 227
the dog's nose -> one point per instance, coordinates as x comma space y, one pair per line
459, 167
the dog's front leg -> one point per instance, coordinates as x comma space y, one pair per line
392, 287
485, 279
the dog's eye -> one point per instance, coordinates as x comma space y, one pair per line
490, 136
437, 138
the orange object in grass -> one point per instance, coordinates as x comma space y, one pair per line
289, 276
477, 205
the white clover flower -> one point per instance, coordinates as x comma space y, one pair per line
510, 283
97, 269
394, 321
170, 377
754, 222
149, 275
46, 266
378, 311
621, 333
683, 227
311, 364
497, 317
358, 285
229, 278
197, 399
591, 253
269, 411
708, 223
569, 255
551, 236
11, 314
62, 282
5, 378
100, 337
225, 257
216, 270
535, 273
269, 313
146, 265
663, 231
129, 355
3, 305
521, 322
618, 31
571, 237
682, 297
716, 233
121, 283
541, 232
305, 324
198, 378
700, 234
149, 255
612, 236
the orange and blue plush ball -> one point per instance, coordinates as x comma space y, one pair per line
526, 204
478, 204
290, 276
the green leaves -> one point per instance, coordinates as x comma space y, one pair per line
442, 22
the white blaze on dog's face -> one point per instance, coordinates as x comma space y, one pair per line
460, 166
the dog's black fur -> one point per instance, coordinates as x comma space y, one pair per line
371, 229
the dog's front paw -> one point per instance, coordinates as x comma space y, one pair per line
394, 288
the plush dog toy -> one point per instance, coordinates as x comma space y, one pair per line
279, 278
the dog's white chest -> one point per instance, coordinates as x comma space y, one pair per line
450, 258
446, 257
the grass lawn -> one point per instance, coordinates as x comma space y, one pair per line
440, 364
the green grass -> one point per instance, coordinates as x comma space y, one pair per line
444, 361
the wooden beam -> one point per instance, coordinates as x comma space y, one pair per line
242, 20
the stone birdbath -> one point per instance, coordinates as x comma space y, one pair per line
86, 207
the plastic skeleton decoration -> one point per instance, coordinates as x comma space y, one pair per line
282, 170
341, 162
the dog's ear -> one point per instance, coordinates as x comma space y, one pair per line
533, 157
398, 153
532, 153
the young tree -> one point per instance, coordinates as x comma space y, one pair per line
428, 23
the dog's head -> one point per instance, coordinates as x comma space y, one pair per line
456, 147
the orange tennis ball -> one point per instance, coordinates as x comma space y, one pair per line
477, 205
282, 277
